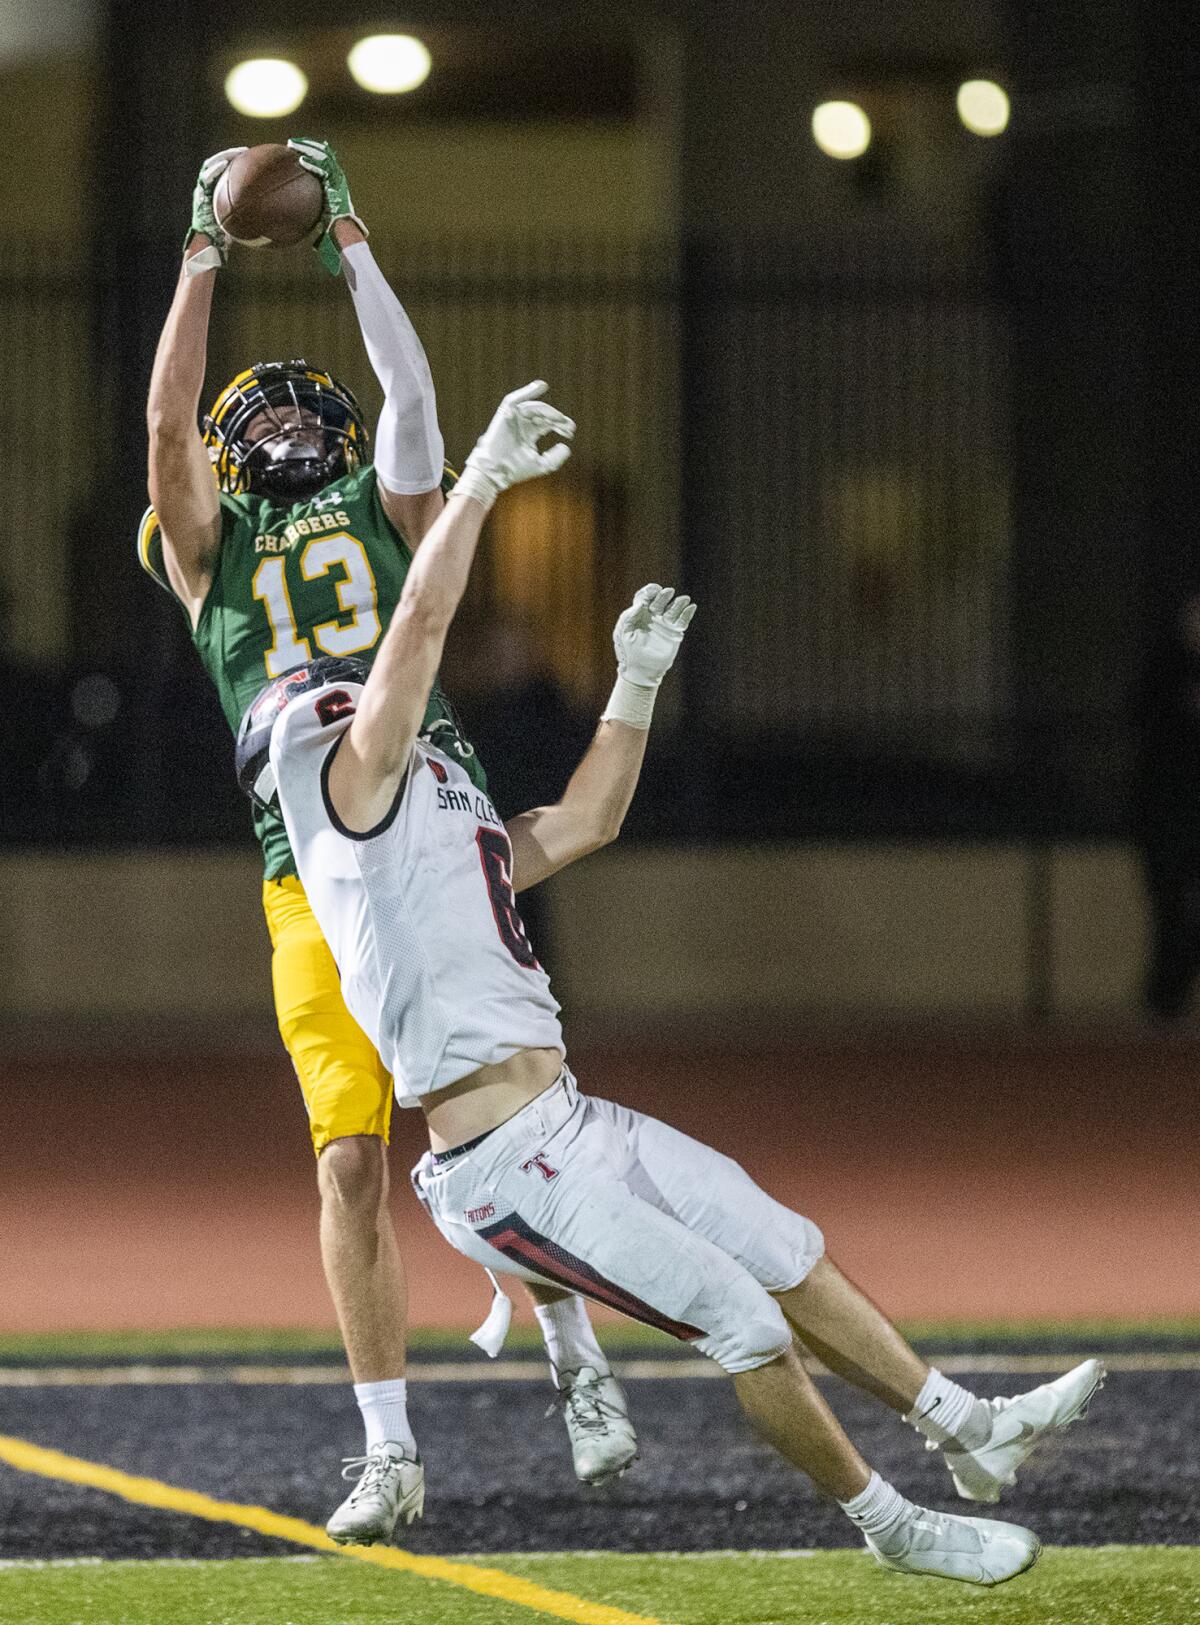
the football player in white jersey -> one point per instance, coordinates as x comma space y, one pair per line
413, 877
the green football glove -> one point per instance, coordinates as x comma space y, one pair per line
203, 217
319, 158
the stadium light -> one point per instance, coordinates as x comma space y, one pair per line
983, 107
266, 87
390, 63
841, 129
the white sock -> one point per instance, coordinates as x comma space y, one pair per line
879, 1511
384, 1407
945, 1411
570, 1341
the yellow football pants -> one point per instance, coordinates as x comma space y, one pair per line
346, 1089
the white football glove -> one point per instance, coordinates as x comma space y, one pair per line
646, 638
507, 451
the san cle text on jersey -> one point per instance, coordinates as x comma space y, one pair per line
468, 801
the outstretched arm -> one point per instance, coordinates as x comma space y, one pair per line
590, 813
409, 451
594, 804
374, 752
183, 492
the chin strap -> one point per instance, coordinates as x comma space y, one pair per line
490, 1336
265, 787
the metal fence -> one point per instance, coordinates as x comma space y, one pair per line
49, 445
811, 435
856, 487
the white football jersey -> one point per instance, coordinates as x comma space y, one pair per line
419, 913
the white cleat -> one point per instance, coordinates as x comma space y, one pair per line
1018, 1426
603, 1442
390, 1487
978, 1551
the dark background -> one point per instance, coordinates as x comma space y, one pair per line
811, 329
916, 429
919, 425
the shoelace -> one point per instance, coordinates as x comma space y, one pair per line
371, 1470
930, 1528
585, 1406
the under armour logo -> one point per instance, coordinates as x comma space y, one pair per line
327, 501
543, 1167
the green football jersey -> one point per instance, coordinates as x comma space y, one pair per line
321, 577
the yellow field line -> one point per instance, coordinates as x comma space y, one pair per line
495, 1583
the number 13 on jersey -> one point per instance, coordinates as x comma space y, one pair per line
357, 596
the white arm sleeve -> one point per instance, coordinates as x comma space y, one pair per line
409, 451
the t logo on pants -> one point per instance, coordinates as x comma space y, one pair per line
543, 1167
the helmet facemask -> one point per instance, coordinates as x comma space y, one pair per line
284, 430
253, 750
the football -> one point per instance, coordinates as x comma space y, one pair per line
266, 199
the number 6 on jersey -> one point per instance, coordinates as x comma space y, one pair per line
495, 854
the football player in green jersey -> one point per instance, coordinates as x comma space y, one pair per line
283, 539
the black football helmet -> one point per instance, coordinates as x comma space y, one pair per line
289, 462
254, 771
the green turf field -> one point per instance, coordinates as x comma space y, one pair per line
243, 1342
1114, 1585
1145, 1585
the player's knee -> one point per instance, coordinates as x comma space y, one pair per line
753, 1330
352, 1173
296, 1025
807, 1243
786, 1249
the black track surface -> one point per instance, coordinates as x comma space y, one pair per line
499, 1473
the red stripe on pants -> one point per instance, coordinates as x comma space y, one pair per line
524, 1246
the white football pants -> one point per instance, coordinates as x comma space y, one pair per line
583, 1194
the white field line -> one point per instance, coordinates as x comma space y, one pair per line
752, 1554
158, 1562
755, 1554
174, 1376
